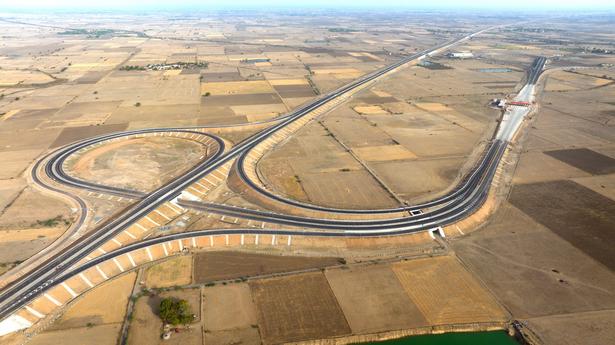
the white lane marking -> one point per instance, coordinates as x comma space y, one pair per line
288, 243
242, 239
181, 245
132, 261
273, 240
163, 215
117, 263
130, 235
116, 242
86, 280
53, 300
194, 242
70, 291
149, 254
148, 218
196, 190
202, 186
101, 273
34, 312
211, 241
166, 252
458, 229
168, 205
256, 240
102, 250
226, 236
141, 226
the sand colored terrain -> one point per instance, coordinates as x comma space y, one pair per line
445, 292
16, 77
209, 266
30, 207
146, 326
245, 336
174, 272
30, 234
373, 300
282, 82
297, 308
433, 106
145, 163
103, 335
95, 307
228, 307
545, 253
236, 87
581, 328
370, 109
383, 153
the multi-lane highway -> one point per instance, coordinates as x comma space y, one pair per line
470, 196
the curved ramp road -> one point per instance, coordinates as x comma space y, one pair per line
509, 126
56, 268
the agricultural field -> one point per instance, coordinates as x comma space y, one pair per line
173, 272
550, 242
211, 266
541, 252
297, 308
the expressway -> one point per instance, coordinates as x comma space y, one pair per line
511, 122
50, 272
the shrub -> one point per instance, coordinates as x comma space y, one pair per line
175, 311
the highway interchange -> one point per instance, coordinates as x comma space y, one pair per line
457, 205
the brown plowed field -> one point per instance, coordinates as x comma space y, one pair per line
231, 265
297, 308
575, 213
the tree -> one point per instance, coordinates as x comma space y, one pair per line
175, 311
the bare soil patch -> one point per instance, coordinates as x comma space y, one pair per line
72, 134
228, 307
96, 308
174, 272
533, 271
591, 328
296, 308
146, 326
445, 292
33, 209
210, 266
244, 336
373, 300
138, 164
241, 99
577, 214
103, 335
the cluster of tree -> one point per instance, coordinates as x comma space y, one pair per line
175, 311
342, 30
132, 68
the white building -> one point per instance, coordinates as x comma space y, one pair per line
461, 55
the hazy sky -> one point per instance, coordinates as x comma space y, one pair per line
151, 4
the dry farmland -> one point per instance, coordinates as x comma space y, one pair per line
297, 308
210, 266
173, 272
543, 255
